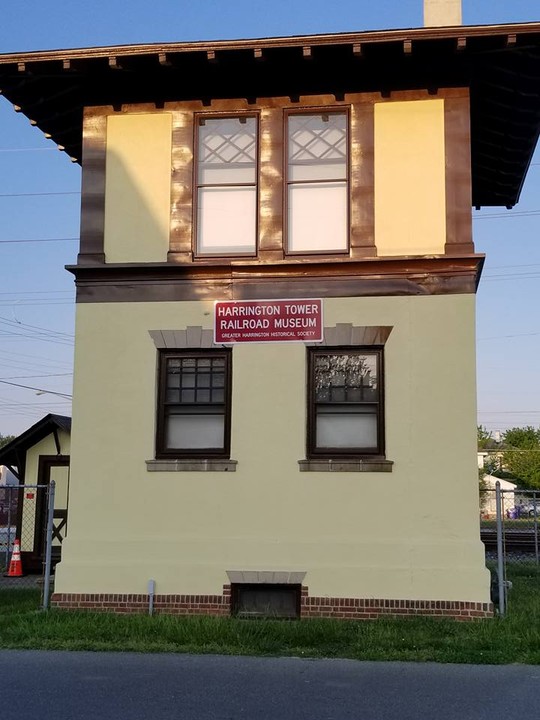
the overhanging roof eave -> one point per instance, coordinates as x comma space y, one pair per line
369, 36
497, 62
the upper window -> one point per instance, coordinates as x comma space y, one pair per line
226, 178
317, 205
345, 402
194, 404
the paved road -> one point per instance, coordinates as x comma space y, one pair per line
126, 686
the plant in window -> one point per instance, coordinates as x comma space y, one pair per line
345, 414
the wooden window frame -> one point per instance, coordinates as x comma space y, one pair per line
313, 452
198, 120
162, 452
315, 110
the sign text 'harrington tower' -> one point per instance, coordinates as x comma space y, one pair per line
268, 321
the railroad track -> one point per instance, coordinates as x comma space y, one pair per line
523, 541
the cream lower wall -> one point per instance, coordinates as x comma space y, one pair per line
410, 534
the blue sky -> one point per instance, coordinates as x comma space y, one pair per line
39, 197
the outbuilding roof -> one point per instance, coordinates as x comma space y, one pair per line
12, 454
499, 63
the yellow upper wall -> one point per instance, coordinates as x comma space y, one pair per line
137, 187
410, 208
410, 212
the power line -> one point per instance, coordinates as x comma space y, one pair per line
503, 267
29, 387
37, 292
40, 361
508, 412
28, 377
7, 321
37, 301
38, 194
16, 361
29, 331
505, 278
508, 214
499, 337
40, 240
43, 149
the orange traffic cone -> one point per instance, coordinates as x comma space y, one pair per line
15, 565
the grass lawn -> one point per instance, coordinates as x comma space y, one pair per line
514, 639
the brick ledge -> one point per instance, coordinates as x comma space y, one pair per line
311, 606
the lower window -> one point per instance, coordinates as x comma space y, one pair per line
194, 404
345, 413
266, 601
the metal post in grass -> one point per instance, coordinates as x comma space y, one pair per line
535, 510
500, 558
9, 521
48, 546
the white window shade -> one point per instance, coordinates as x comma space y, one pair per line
346, 430
195, 431
226, 220
317, 217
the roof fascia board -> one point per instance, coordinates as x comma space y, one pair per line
374, 36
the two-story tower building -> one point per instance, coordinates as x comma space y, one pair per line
274, 400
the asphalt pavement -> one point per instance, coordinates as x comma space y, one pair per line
36, 685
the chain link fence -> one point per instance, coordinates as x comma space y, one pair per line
510, 531
29, 540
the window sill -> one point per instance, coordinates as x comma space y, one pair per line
191, 465
375, 464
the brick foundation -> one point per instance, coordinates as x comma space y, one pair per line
311, 606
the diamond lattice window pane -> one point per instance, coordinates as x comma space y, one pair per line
227, 151
317, 147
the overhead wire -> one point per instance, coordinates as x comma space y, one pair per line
41, 390
35, 332
29, 149
44, 194
39, 240
7, 321
28, 377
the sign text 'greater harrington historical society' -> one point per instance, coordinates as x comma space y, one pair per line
268, 321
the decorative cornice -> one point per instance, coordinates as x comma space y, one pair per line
235, 280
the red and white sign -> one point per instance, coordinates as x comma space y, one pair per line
268, 321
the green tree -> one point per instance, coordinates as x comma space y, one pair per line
483, 437
524, 438
5, 439
522, 456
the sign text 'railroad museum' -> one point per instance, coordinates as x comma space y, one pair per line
268, 321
